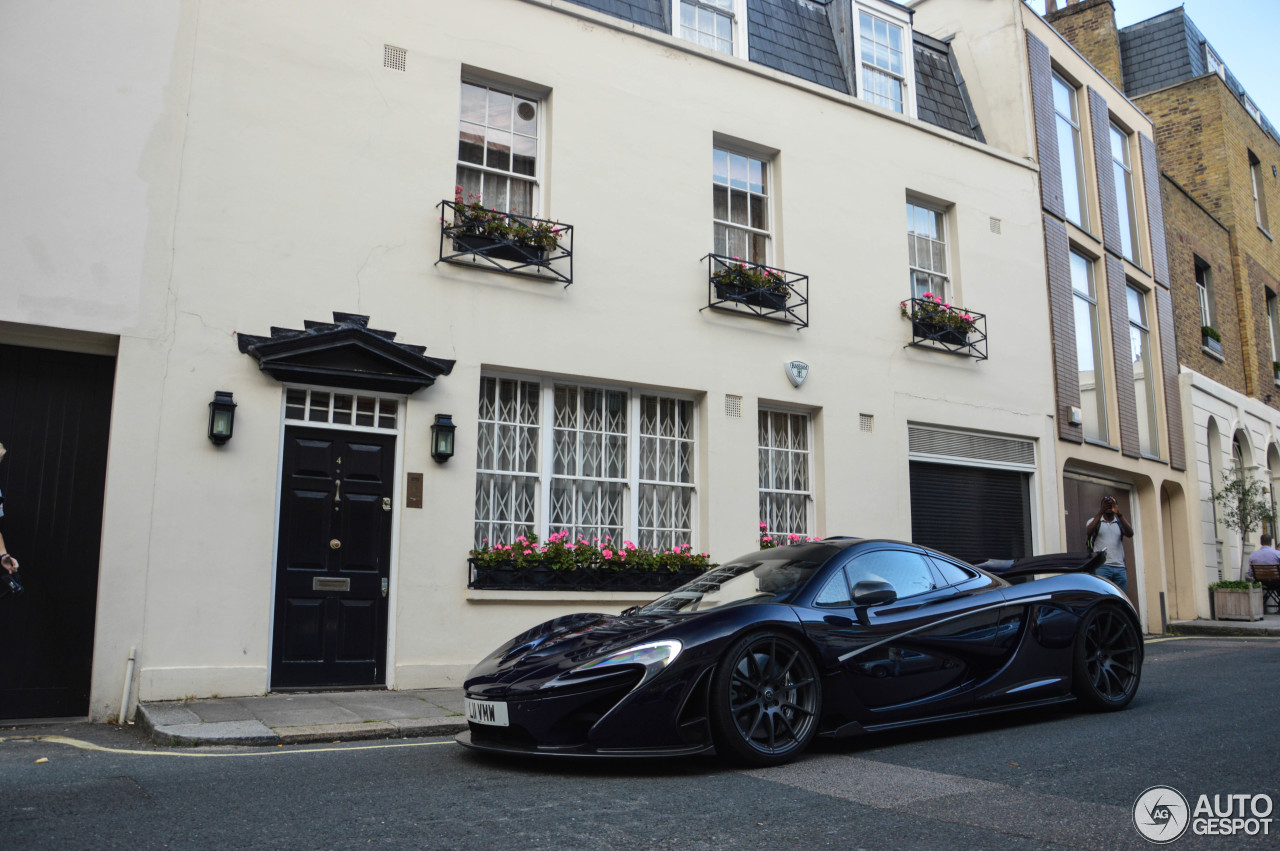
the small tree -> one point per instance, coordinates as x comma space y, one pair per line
1243, 506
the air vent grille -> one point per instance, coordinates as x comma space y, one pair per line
393, 57
996, 225
733, 406
866, 422
973, 447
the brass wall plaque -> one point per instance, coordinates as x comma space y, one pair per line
413, 493
330, 583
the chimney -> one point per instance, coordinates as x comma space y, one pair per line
1090, 26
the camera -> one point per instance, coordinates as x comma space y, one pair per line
10, 581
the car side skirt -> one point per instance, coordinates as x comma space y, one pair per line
853, 728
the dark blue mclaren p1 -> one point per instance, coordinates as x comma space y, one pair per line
834, 638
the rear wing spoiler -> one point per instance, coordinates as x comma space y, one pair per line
1051, 563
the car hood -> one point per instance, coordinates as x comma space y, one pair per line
536, 656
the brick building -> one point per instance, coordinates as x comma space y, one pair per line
1219, 156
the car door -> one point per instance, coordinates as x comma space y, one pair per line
913, 657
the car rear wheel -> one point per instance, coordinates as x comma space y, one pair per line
1108, 659
765, 699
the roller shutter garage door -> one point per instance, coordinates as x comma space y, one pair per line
972, 513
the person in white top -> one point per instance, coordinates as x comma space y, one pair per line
1106, 533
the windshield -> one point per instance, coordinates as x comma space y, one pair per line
768, 576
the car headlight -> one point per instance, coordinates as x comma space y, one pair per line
652, 657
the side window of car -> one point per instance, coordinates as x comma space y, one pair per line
907, 572
952, 574
835, 592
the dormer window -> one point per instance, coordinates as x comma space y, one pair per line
883, 55
711, 23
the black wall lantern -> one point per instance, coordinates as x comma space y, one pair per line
222, 417
442, 437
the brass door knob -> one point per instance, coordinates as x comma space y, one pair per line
335, 544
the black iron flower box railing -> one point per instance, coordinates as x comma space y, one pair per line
493, 240
508, 576
951, 333
757, 290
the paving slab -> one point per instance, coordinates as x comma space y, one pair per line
216, 733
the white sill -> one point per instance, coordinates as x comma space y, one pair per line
1211, 353
1266, 233
562, 595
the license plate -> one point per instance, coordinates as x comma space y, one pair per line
491, 712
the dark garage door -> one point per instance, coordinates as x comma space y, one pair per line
55, 409
971, 512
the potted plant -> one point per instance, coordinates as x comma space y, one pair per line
934, 319
1236, 600
1243, 506
751, 283
501, 235
584, 565
1211, 339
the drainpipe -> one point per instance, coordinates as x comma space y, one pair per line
128, 680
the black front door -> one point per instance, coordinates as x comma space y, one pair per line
333, 561
55, 415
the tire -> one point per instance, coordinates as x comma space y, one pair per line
1108, 659
766, 698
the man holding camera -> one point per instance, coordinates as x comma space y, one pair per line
1106, 533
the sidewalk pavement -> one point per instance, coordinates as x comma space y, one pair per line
298, 718
1269, 625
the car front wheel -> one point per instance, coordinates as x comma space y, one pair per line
765, 699
1108, 659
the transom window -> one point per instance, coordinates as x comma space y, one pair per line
498, 149
620, 463
708, 23
785, 460
1070, 151
1093, 385
927, 252
1144, 377
740, 208
1125, 198
341, 409
883, 64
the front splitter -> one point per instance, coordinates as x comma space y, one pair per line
582, 752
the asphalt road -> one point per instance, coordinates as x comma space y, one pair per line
1036, 779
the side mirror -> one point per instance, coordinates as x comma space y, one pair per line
873, 593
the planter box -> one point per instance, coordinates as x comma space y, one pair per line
943, 334
766, 299
1233, 605
1211, 344
509, 577
497, 248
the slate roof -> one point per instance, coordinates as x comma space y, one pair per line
1168, 49
941, 98
796, 37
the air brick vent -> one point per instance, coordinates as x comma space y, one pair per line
733, 406
393, 57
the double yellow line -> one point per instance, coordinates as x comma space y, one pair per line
280, 750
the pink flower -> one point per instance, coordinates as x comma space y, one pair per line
607, 553
766, 538
762, 524
570, 546
528, 552
927, 295
622, 556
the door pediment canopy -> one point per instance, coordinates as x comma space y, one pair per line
345, 353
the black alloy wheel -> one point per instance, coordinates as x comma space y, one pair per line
765, 699
1108, 662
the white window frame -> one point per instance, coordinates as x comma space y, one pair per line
1259, 199
768, 492
545, 468
1090, 300
943, 213
1126, 194
1081, 195
313, 403
1273, 323
526, 92
738, 24
1140, 327
767, 161
1204, 289
896, 16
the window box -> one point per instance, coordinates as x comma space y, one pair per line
763, 291
1211, 340
937, 325
508, 576
505, 242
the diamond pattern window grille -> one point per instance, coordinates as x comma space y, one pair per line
665, 515
341, 409
589, 477
784, 461
506, 460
